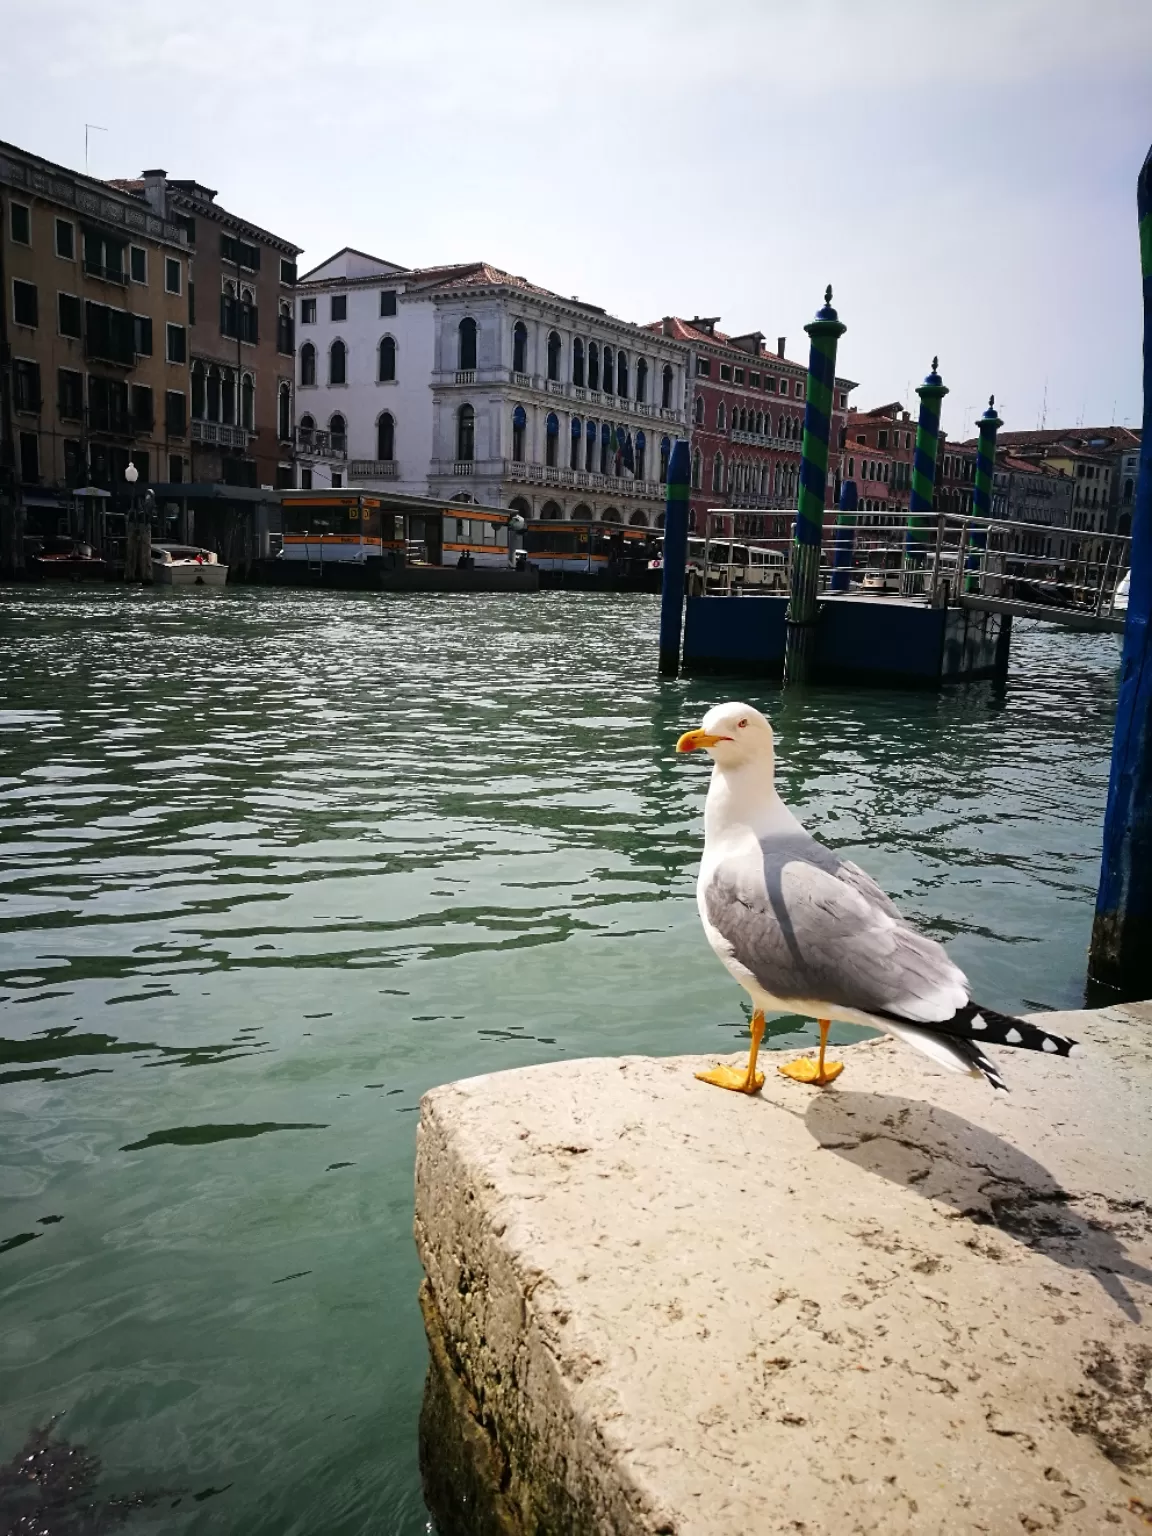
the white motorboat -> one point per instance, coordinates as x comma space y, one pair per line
186, 565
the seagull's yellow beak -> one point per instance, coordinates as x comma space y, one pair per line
691, 740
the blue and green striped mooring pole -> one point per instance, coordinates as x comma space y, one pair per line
1121, 952
931, 393
675, 557
988, 425
808, 533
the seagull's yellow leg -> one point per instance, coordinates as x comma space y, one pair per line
741, 1079
820, 1072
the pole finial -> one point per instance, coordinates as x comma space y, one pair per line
828, 294
935, 364
991, 402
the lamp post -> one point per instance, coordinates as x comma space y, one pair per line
138, 542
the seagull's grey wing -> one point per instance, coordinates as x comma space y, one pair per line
802, 931
864, 883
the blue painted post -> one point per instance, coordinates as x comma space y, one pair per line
931, 393
989, 424
1121, 952
844, 538
675, 557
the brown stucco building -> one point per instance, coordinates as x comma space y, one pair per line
94, 335
241, 335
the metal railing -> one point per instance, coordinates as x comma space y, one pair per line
934, 558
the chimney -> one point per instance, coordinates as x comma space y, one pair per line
666, 326
155, 190
780, 341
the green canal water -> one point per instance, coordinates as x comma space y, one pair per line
273, 864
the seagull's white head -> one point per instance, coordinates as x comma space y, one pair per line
733, 735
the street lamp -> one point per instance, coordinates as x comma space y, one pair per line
131, 474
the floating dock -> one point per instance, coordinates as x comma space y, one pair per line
903, 1305
858, 639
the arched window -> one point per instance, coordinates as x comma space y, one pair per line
247, 402
386, 437
582, 513
593, 366
590, 435
466, 434
338, 363
307, 363
666, 387
198, 391
759, 423
697, 470
638, 519
387, 360
1129, 491
718, 472
642, 380
551, 439
665, 455
721, 419
641, 448
519, 423
606, 373
519, 347
610, 515
551, 513
553, 355
305, 430
622, 375
574, 449
284, 413
228, 397
578, 362
851, 469
467, 343
338, 433
699, 410
605, 435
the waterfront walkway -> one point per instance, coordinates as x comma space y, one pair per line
902, 1305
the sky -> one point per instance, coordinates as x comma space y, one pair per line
963, 172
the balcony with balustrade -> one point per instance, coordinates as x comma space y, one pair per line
373, 469
584, 399
318, 444
581, 479
220, 434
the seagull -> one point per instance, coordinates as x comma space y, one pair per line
805, 931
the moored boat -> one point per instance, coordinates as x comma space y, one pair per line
186, 565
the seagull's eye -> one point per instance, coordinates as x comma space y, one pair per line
743, 723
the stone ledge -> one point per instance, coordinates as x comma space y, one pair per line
901, 1305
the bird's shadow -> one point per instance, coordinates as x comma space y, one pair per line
951, 1161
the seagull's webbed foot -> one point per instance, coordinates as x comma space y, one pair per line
818, 1073
740, 1079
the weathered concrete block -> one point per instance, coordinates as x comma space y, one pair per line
900, 1305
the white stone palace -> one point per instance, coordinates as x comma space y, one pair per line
465, 382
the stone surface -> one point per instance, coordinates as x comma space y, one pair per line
903, 1304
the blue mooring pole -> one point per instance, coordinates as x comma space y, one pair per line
1121, 952
844, 538
675, 557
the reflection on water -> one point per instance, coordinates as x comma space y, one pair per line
278, 862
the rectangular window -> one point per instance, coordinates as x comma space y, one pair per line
25, 304
337, 480
187, 223
21, 224
703, 368
171, 275
177, 344
69, 314
65, 239
739, 376
176, 413
240, 253
798, 390
74, 470
769, 385
109, 334
70, 394
388, 302
339, 306
307, 311
881, 439
142, 418
754, 380
287, 271
26, 385
142, 335
104, 256
843, 400
138, 263
305, 478
191, 302
175, 468
725, 373
29, 458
